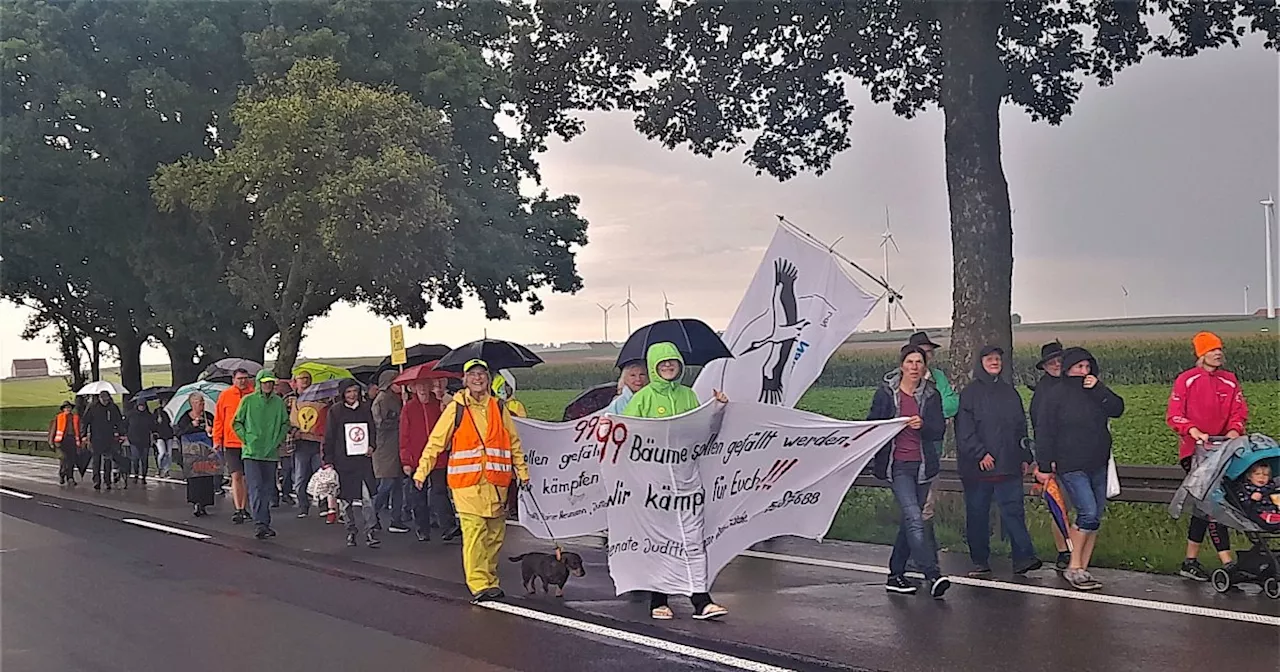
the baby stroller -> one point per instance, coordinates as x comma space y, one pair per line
1213, 490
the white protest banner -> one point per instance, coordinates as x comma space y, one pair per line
694, 491
799, 308
357, 435
565, 497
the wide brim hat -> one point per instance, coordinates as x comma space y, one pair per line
1049, 351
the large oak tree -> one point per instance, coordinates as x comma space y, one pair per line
715, 75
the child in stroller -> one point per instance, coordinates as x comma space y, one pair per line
1259, 495
1222, 487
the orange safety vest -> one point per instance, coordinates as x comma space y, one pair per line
62, 426
473, 456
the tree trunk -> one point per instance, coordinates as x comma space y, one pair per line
183, 366
973, 83
130, 350
95, 361
287, 348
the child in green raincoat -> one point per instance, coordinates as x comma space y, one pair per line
665, 396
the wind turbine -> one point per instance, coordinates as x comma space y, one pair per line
891, 295
1126, 301
606, 310
666, 306
629, 305
1246, 301
1268, 215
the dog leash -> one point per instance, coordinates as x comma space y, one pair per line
543, 518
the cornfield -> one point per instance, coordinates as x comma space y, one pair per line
1253, 359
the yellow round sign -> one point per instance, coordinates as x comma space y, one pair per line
307, 416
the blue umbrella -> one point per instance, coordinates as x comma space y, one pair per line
697, 343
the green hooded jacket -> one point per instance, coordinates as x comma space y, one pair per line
662, 398
261, 423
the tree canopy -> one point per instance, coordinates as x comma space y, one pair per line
771, 75
98, 96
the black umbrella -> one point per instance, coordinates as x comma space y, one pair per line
365, 373
497, 354
413, 356
697, 343
153, 392
590, 401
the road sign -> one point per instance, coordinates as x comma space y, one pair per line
397, 345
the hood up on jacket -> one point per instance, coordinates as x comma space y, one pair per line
346, 384
1075, 355
662, 398
980, 374
504, 379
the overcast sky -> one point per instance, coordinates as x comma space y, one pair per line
1152, 184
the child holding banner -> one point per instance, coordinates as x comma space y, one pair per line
665, 396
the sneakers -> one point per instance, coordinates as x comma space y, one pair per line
451, 534
1063, 561
1081, 579
372, 541
238, 517
396, 528
938, 587
900, 585
488, 595
303, 514
423, 536
1192, 569
1027, 566
261, 533
980, 573
351, 539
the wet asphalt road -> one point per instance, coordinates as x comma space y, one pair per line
84, 592
796, 616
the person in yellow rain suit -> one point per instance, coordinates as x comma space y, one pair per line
484, 451
504, 387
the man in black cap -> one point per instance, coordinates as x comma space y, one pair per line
950, 405
1051, 364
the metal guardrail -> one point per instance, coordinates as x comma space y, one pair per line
1138, 483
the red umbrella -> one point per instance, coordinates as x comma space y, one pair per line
423, 372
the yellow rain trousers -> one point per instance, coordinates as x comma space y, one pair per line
481, 508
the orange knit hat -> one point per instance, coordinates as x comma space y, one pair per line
1206, 342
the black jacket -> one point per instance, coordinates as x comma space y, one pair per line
1038, 394
1072, 432
140, 423
352, 469
884, 405
187, 426
160, 425
990, 422
102, 424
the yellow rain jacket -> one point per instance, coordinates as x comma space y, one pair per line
485, 499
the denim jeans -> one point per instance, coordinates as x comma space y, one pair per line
439, 501
1007, 494
1088, 493
391, 492
260, 481
165, 449
306, 462
911, 543
139, 459
286, 477
368, 511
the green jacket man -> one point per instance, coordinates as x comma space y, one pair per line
262, 422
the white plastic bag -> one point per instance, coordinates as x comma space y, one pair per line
1113, 479
323, 484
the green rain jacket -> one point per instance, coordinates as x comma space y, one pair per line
662, 398
261, 423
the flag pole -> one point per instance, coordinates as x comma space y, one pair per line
880, 282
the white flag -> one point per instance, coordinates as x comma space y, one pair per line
799, 308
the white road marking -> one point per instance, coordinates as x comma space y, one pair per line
1170, 607
14, 493
633, 638
165, 528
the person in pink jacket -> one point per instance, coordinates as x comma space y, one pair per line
1206, 401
